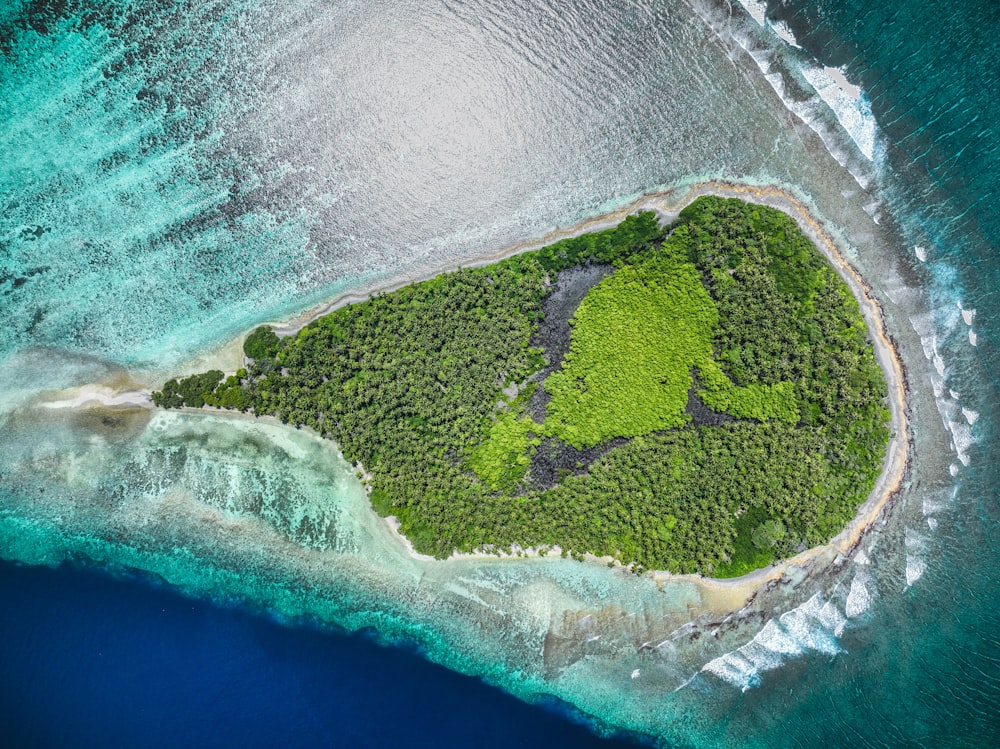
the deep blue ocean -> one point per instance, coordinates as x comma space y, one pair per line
92, 661
173, 173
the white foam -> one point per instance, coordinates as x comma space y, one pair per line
973, 338
953, 393
916, 563
682, 631
851, 109
932, 523
929, 344
853, 116
635, 674
962, 439
784, 32
953, 469
970, 416
873, 208
734, 669
921, 253
800, 623
933, 327
828, 615
947, 407
813, 626
774, 638
859, 598
861, 557
931, 507
922, 324
915, 568
937, 385
762, 658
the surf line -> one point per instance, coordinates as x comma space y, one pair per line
896, 462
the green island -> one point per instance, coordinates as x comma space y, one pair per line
696, 398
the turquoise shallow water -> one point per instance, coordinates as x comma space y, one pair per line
172, 175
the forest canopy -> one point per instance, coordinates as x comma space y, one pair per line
717, 406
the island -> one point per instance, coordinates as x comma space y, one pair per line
701, 397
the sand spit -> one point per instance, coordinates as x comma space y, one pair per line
854, 92
102, 396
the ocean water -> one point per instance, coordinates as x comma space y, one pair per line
202, 675
172, 174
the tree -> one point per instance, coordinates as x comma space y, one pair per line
261, 344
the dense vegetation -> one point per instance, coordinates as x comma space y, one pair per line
636, 339
427, 387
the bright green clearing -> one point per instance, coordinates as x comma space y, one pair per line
637, 338
503, 458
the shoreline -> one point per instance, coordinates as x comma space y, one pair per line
718, 593
896, 461
294, 324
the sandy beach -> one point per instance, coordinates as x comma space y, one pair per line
99, 396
